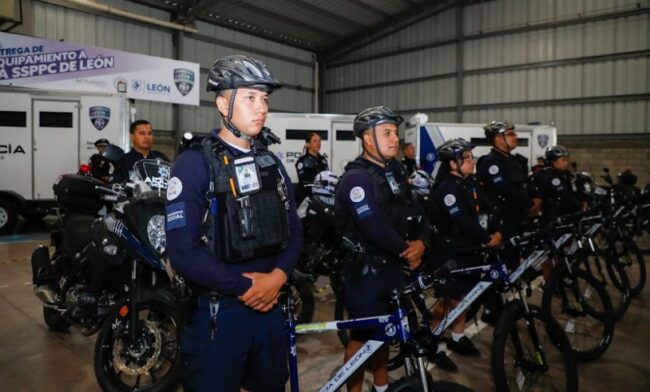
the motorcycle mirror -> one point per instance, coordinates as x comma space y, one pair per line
113, 154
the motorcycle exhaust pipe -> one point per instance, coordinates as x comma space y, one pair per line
40, 269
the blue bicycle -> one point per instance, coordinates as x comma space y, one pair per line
391, 327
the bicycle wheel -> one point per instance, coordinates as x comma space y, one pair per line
519, 364
580, 304
626, 253
619, 293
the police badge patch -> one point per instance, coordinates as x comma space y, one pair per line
99, 116
542, 140
184, 80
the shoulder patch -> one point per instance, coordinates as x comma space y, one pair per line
449, 200
494, 169
299, 165
174, 188
556, 181
176, 216
357, 194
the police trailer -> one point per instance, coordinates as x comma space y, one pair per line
532, 140
58, 99
335, 130
45, 134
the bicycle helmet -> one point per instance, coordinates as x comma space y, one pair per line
371, 117
236, 71
452, 149
555, 152
420, 182
497, 128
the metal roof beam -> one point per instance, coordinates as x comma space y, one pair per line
370, 8
284, 19
397, 23
322, 11
515, 30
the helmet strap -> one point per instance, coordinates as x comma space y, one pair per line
228, 123
381, 157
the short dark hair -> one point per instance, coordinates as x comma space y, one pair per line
136, 123
406, 145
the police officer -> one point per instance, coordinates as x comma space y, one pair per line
557, 185
100, 168
409, 158
142, 143
505, 177
375, 208
310, 163
463, 224
233, 232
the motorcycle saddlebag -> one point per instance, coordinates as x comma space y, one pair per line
77, 193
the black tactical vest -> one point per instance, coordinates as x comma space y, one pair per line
397, 209
241, 225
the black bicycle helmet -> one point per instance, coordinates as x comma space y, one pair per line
497, 128
555, 152
102, 142
236, 71
371, 117
452, 149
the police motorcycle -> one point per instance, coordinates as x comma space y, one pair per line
134, 303
321, 253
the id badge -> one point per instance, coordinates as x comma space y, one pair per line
246, 175
394, 186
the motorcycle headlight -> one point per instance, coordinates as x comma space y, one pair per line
156, 233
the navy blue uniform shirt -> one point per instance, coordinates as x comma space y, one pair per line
189, 256
355, 195
308, 166
559, 192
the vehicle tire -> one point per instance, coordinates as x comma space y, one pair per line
617, 289
55, 321
514, 359
8, 216
580, 304
303, 297
626, 253
154, 365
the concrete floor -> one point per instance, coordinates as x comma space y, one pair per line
35, 359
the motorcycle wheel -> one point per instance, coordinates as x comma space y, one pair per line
153, 363
54, 321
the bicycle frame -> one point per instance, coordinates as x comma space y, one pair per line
495, 271
391, 326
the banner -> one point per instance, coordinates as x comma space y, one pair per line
53, 65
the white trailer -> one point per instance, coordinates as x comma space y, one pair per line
427, 136
338, 140
44, 134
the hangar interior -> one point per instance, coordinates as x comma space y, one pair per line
582, 66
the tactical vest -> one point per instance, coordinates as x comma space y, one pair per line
518, 177
245, 218
396, 206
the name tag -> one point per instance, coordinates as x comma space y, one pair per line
246, 174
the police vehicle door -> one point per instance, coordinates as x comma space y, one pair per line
56, 143
345, 147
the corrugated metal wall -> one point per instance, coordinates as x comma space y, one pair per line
582, 65
294, 67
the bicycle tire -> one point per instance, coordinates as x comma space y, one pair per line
619, 293
580, 304
631, 259
555, 345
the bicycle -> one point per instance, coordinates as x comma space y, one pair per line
394, 326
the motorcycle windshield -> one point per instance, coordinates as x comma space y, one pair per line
151, 175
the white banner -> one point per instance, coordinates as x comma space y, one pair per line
53, 65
